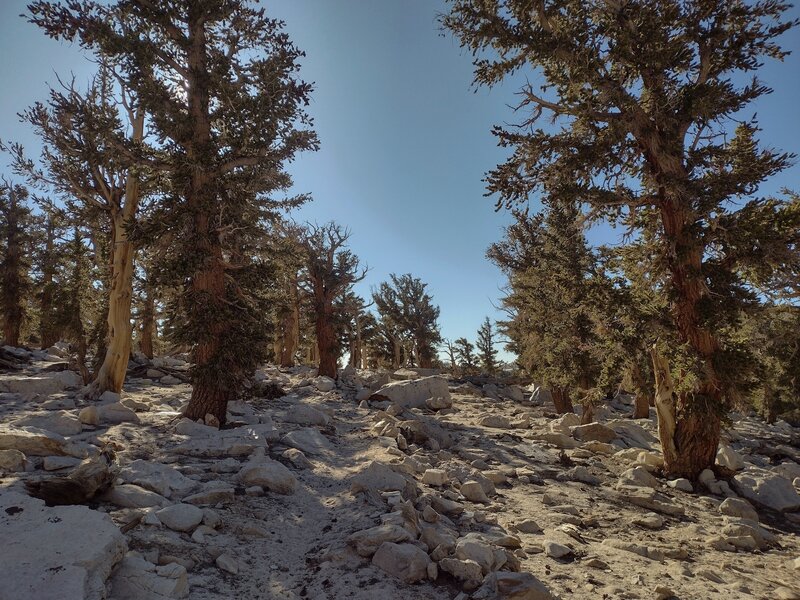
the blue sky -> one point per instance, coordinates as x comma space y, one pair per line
405, 140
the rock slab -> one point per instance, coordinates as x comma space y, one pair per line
59, 553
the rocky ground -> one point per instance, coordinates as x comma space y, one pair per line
419, 487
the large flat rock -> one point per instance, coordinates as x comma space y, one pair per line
32, 441
413, 393
43, 383
59, 553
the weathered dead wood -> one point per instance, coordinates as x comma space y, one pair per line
90, 478
665, 405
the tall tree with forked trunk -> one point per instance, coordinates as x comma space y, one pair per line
218, 81
646, 96
78, 131
330, 271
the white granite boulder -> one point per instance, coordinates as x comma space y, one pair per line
59, 553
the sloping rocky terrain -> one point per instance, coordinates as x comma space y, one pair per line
404, 485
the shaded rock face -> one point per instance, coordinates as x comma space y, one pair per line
414, 393
61, 553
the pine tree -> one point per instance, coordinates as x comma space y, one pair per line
16, 222
408, 310
550, 268
79, 132
450, 349
644, 94
487, 353
465, 351
48, 260
218, 81
73, 298
330, 271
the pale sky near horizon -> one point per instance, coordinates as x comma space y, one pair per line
405, 139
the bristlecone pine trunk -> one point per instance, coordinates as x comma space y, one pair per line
111, 374
290, 329
562, 401
326, 342
148, 324
641, 402
690, 441
47, 332
209, 395
13, 312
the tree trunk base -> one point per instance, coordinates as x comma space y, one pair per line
641, 407
205, 401
562, 401
688, 427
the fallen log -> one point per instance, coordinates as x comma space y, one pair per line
90, 478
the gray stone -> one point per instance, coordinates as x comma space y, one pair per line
12, 461
210, 442
39, 442
180, 517
297, 458
593, 432
132, 496
116, 412
324, 384
729, 458
435, 477
367, 541
138, 579
227, 562
211, 496
270, 475
59, 553
638, 476
650, 499
308, 440
157, 477
380, 477
60, 422
762, 487
737, 507
406, 562
528, 526
42, 383
650, 521
303, 414
478, 551
502, 585
467, 571
413, 393
55, 463
556, 550
681, 484
474, 492
439, 403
